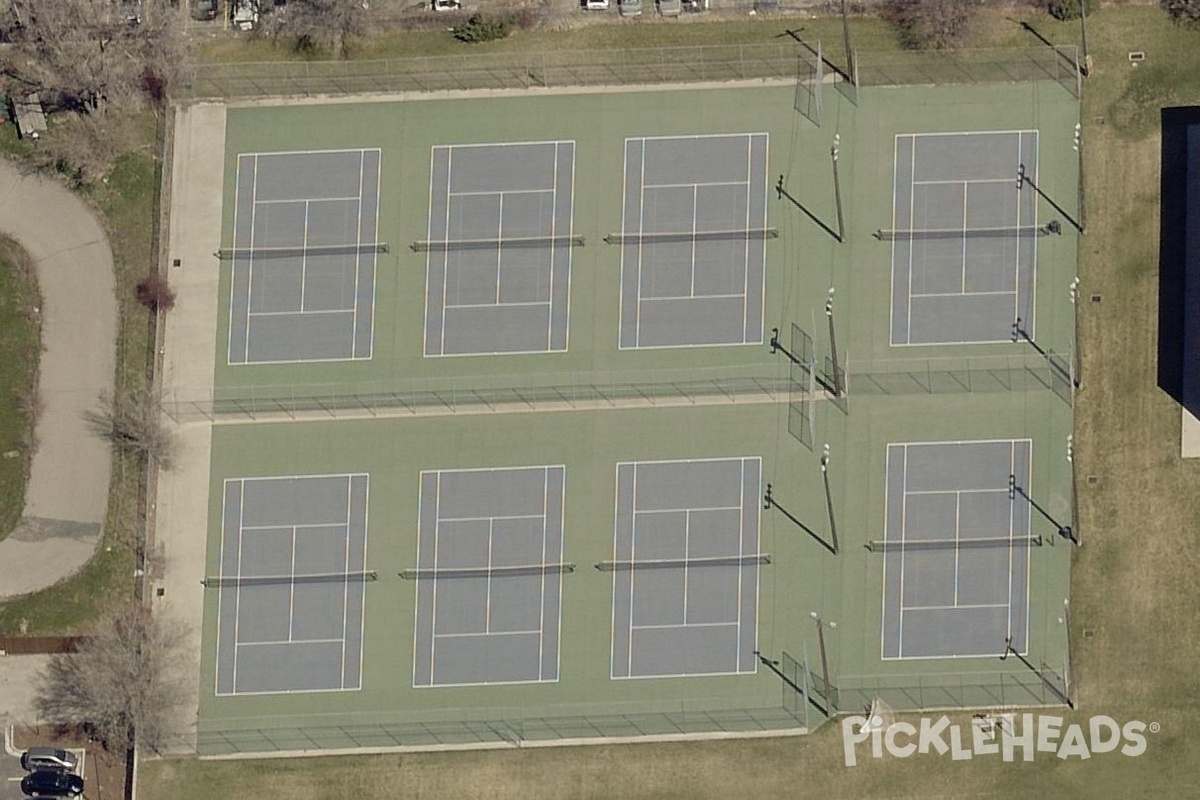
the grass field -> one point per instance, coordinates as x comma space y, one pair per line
19, 353
1133, 580
126, 205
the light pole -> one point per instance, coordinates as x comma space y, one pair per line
833, 353
829, 499
830, 704
837, 187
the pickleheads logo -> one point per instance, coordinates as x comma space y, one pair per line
1004, 735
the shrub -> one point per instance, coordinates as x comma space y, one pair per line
154, 293
936, 24
480, 28
1065, 10
1184, 12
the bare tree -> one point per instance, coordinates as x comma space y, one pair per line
87, 57
313, 25
125, 683
132, 422
933, 24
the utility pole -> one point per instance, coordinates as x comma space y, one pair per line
829, 499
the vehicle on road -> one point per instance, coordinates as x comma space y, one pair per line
40, 758
52, 783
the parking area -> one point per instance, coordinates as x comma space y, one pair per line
11, 772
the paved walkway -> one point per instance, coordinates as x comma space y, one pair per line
67, 494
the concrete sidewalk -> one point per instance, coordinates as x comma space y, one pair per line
67, 496
189, 342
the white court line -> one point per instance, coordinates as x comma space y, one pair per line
437, 507
696, 184
957, 491
486, 634
553, 254
667, 626
903, 534
237, 191
292, 588
220, 594
637, 331
632, 543
737, 656
362, 565
374, 280
745, 251
272, 643
965, 607
677, 510
306, 200
250, 260
529, 304
492, 192
333, 151
316, 313
692, 266
958, 181
695, 297
962, 284
541, 632
499, 248
489, 518
237, 592
358, 259
428, 275
912, 204
346, 554
687, 530
957, 540
445, 261
1012, 470
487, 594
959, 294
298, 525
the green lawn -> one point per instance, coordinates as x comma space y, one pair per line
127, 206
20, 348
1133, 583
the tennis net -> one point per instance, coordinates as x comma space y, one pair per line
487, 572
218, 581
226, 253
684, 563
446, 245
999, 542
650, 237
1016, 231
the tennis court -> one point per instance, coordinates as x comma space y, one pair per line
957, 546
693, 250
685, 568
489, 576
291, 587
499, 244
964, 237
305, 240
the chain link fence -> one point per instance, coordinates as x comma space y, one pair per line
513, 727
784, 60
1059, 64
957, 691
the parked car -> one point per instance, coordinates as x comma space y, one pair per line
670, 8
595, 5
42, 758
245, 15
630, 8
447, 5
205, 10
52, 783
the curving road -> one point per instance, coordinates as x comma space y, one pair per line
67, 494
